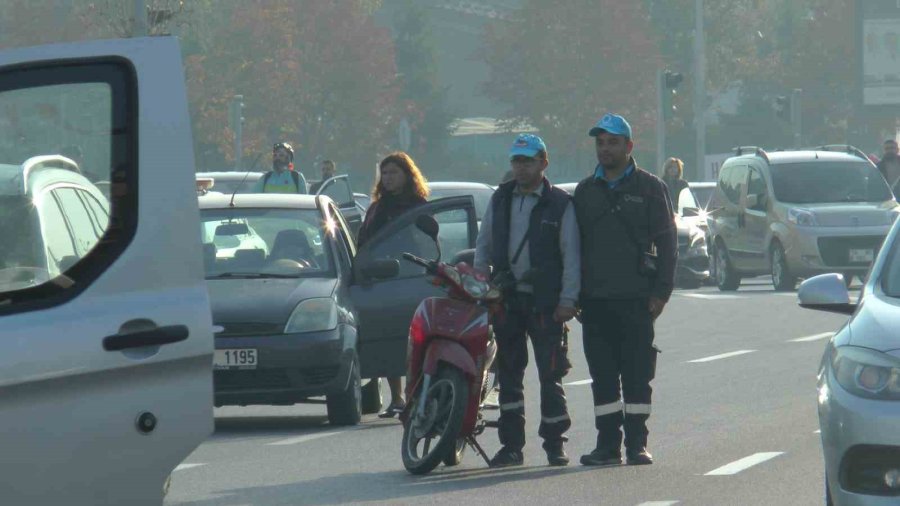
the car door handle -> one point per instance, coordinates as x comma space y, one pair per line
150, 337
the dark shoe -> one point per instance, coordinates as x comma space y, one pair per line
507, 457
600, 457
638, 457
392, 411
556, 455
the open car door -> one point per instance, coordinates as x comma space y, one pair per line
386, 306
106, 368
338, 188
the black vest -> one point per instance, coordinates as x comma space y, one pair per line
544, 228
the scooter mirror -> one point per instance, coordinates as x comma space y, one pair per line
428, 225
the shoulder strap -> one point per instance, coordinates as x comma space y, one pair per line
266, 177
296, 178
615, 211
515, 257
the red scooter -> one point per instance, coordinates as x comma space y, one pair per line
450, 352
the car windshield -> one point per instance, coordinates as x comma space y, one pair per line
828, 182
482, 197
264, 243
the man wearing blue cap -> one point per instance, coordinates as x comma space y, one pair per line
529, 235
628, 239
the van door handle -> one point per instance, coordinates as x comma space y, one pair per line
149, 337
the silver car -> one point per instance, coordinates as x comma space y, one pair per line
859, 383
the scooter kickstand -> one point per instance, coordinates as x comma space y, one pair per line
478, 449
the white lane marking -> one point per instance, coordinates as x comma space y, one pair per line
304, 438
723, 355
707, 296
743, 464
816, 337
658, 503
579, 382
182, 467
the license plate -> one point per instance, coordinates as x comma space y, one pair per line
861, 255
242, 358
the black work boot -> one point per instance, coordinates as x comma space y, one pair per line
638, 457
508, 457
556, 454
602, 457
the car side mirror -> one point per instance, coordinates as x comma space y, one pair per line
428, 225
826, 292
689, 212
384, 268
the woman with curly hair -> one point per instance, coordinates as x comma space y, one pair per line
400, 187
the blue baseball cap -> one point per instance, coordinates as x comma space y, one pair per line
612, 123
527, 145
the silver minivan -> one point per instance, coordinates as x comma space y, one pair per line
795, 214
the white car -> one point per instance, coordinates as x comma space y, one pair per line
106, 371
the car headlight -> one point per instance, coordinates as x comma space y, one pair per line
312, 315
801, 217
867, 373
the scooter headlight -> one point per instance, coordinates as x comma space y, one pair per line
477, 288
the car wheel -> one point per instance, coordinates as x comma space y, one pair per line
371, 397
782, 278
726, 278
345, 408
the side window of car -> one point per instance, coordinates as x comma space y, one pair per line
65, 127
59, 245
339, 191
453, 236
725, 182
756, 185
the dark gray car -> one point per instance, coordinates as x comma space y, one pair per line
303, 314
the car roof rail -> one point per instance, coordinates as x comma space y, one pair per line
843, 148
46, 162
758, 151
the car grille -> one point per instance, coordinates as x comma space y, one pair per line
250, 379
836, 250
250, 329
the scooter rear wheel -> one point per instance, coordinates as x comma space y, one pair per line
431, 436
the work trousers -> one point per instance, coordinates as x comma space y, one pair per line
550, 345
618, 344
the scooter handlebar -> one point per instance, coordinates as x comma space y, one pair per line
429, 265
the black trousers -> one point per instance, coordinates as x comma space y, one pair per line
618, 344
551, 357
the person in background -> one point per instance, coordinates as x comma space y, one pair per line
329, 170
889, 166
673, 176
282, 178
400, 187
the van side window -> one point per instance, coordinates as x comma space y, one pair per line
78, 217
58, 242
756, 185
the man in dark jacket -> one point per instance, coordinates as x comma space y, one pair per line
529, 235
889, 165
625, 215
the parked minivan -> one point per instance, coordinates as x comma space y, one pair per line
794, 214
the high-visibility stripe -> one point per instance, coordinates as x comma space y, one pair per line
608, 409
512, 405
554, 419
637, 409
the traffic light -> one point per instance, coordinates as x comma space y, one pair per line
671, 80
782, 106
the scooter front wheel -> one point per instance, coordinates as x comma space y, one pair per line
431, 434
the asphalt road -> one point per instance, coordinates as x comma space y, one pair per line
734, 423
